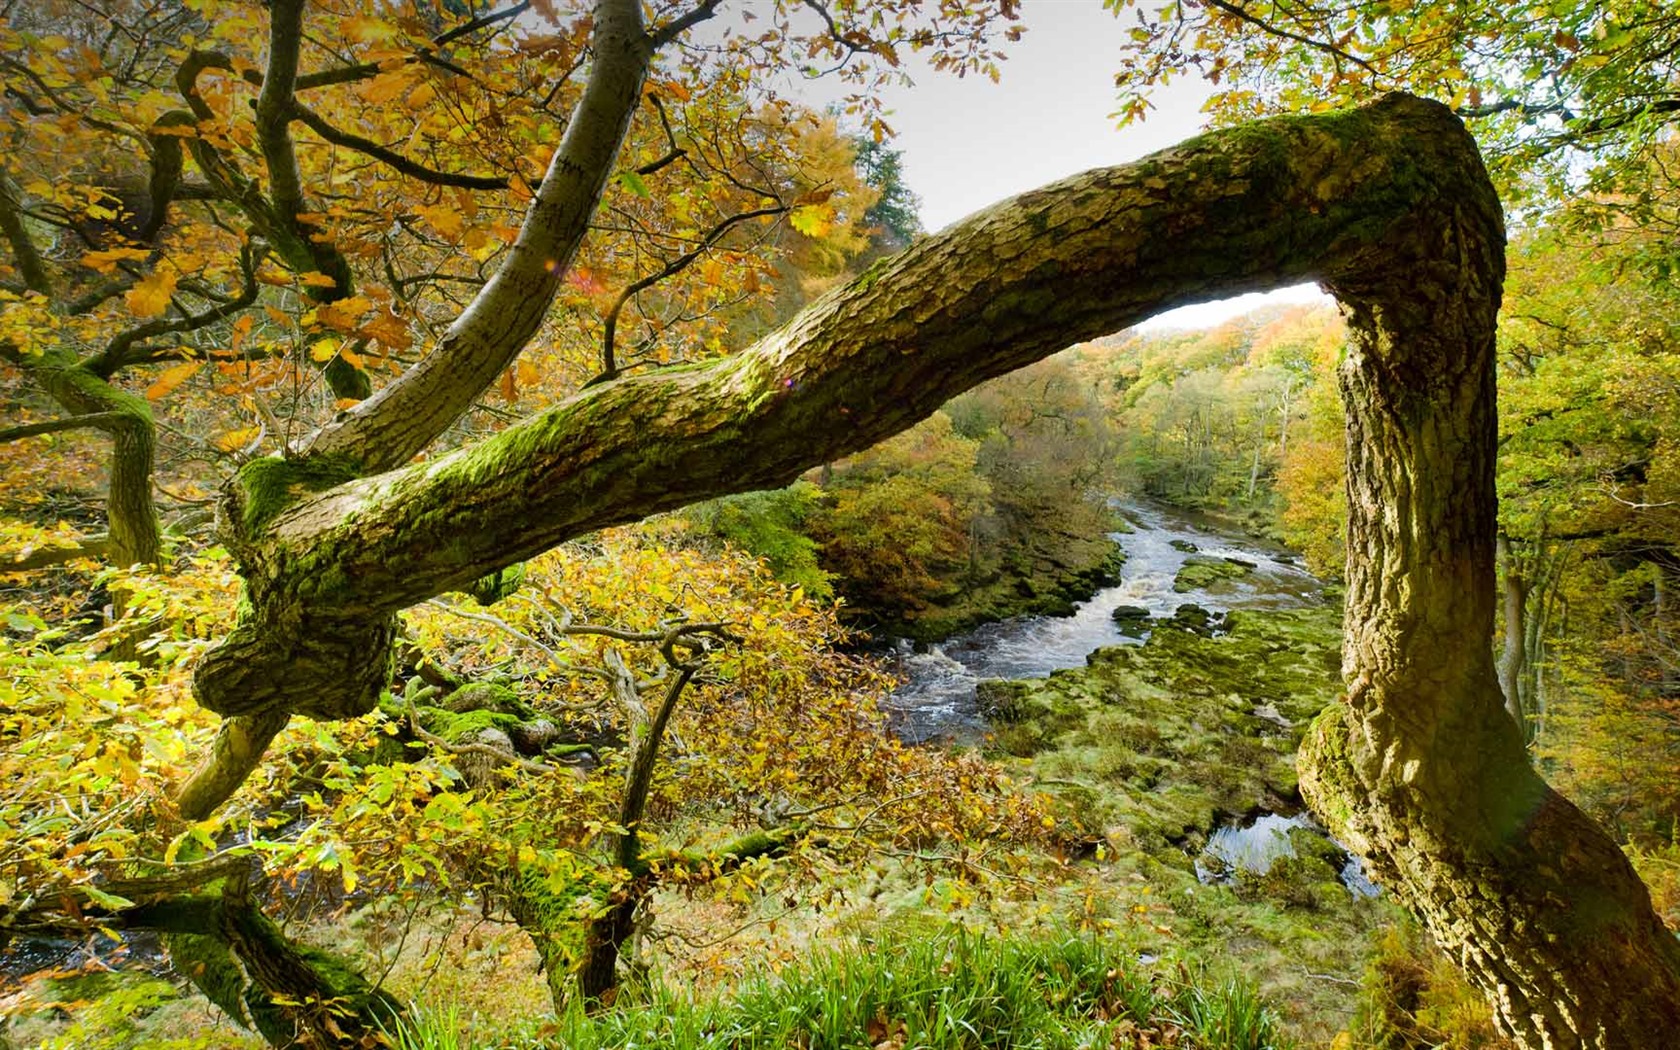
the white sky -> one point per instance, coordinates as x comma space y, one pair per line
969, 143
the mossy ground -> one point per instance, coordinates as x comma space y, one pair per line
1141, 754
1148, 749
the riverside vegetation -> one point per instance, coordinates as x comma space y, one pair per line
459, 463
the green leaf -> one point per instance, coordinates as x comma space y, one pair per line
109, 901
633, 182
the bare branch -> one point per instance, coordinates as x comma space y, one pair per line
391, 157
95, 420
1240, 13
682, 24
609, 368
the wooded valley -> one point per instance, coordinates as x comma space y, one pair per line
512, 534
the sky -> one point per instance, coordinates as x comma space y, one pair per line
969, 143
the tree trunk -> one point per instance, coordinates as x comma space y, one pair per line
135, 538
1422, 770
1514, 656
291, 994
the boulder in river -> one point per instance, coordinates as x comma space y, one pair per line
1200, 570
1183, 545
1131, 620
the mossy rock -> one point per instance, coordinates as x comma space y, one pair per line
488, 696
1201, 571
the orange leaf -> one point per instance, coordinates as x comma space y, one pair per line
150, 298
314, 279
421, 96
241, 329
170, 378
388, 330
510, 390
386, 86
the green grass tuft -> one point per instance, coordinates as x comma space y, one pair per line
950, 991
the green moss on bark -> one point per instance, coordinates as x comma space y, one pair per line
265, 487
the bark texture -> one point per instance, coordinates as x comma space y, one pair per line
1422, 768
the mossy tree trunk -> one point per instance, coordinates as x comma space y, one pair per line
131, 516
1388, 205
293, 995
1423, 770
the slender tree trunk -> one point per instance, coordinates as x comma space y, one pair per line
1514, 656
1422, 769
135, 537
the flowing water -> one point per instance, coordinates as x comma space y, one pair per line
937, 698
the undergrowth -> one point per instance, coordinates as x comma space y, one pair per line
952, 991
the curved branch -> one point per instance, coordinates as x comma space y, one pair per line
405, 416
391, 157
609, 368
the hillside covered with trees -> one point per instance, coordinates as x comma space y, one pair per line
469, 475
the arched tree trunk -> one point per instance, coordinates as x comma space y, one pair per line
1389, 206
1422, 770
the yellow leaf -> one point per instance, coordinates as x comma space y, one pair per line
443, 219
362, 29
314, 279
150, 298
813, 220
323, 350
234, 440
106, 262
170, 378
421, 96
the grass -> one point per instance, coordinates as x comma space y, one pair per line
949, 991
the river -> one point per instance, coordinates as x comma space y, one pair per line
937, 697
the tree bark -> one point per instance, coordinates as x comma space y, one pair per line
1389, 205
1422, 769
